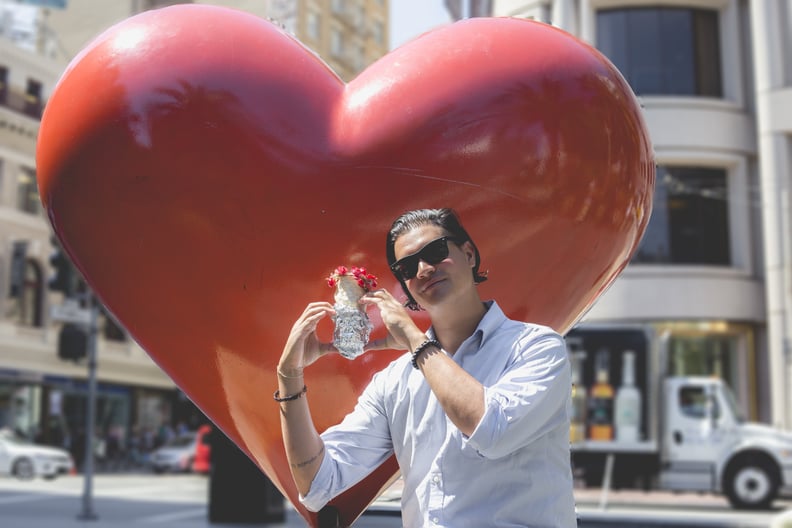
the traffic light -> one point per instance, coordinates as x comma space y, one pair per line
64, 279
72, 342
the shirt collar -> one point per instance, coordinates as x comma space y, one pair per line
492, 320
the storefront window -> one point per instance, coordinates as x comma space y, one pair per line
709, 355
718, 349
19, 408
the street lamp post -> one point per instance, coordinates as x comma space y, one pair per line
87, 512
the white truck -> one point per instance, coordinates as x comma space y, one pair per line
692, 436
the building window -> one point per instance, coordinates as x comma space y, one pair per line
358, 14
377, 32
145, 5
336, 43
313, 26
33, 98
359, 57
27, 191
338, 6
31, 295
3, 85
664, 50
112, 330
24, 302
690, 218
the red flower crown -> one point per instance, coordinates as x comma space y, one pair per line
365, 280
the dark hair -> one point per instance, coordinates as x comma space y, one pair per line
444, 218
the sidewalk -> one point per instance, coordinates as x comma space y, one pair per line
648, 508
593, 498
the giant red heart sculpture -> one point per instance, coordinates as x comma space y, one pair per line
205, 171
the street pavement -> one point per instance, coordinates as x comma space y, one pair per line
180, 501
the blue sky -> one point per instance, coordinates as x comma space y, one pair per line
410, 18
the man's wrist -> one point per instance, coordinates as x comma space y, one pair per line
420, 349
289, 372
415, 341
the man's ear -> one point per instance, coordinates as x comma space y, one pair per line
470, 253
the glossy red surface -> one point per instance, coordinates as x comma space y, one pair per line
205, 172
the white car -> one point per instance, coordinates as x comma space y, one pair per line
177, 455
26, 460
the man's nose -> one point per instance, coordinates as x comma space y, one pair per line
424, 269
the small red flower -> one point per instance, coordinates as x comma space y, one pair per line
365, 280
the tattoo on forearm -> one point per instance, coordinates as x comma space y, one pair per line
310, 460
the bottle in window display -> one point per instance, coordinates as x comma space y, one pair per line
628, 402
577, 422
600, 416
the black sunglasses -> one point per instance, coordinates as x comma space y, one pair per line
435, 251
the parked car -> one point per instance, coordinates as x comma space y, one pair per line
202, 459
26, 460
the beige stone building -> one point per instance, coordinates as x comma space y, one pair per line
348, 34
713, 274
42, 395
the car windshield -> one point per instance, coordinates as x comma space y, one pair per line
13, 438
731, 402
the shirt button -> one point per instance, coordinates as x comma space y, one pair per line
435, 520
436, 479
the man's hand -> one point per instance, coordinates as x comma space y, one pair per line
403, 334
303, 346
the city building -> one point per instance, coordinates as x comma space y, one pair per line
347, 34
711, 277
459, 9
43, 396
41, 393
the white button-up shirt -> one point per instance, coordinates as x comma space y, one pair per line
514, 470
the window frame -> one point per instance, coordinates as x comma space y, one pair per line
730, 261
599, 7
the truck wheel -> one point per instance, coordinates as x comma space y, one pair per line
751, 483
24, 469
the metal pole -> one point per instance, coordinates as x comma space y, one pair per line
87, 512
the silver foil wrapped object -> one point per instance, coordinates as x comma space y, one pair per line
352, 330
352, 325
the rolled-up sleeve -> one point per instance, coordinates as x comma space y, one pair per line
353, 448
529, 400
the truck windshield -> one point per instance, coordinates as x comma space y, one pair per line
731, 403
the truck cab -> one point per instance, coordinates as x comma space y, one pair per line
708, 446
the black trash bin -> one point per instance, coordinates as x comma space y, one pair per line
239, 492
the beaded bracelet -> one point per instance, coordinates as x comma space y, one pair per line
293, 397
423, 346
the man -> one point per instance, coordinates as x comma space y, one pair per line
476, 413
